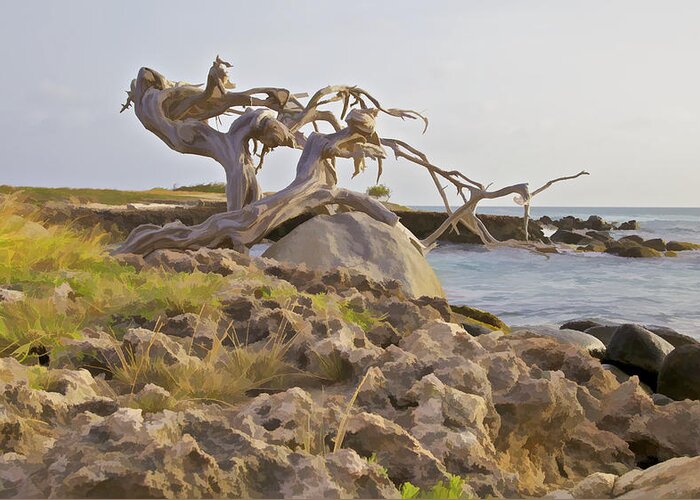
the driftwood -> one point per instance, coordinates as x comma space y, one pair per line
178, 113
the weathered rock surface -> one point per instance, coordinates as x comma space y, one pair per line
356, 241
514, 414
675, 478
597, 485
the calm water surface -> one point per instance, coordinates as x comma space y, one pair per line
524, 288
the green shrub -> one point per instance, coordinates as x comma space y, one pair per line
379, 191
440, 491
362, 318
211, 187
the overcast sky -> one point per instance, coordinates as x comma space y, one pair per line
515, 90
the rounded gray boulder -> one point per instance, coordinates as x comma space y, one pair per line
355, 241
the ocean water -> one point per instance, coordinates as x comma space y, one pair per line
525, 288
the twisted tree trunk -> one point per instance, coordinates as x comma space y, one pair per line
178, 113
313, 187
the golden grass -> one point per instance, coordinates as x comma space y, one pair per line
36, 258
227, 372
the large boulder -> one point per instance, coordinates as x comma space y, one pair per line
639, 351
356, 241
679, 376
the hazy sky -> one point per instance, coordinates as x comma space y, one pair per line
515, 90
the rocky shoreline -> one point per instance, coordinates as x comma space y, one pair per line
399, 392
121, 220
591, 235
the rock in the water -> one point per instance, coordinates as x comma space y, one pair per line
356, 241
671, 336
639, 252
633, 238
638, 350
599, 235
674, 478
596, 246
571, 238
656, 244
580, 324
679, 377
597, 223
680, 246
630, 225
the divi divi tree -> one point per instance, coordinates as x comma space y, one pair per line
268, 118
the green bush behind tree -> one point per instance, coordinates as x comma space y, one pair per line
379, 191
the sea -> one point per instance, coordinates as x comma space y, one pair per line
524, 288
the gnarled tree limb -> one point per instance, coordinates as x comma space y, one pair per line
178, 113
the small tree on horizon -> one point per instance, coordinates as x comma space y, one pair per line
379, 191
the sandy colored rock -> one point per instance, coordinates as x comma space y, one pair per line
597, 485
402, 455
674, 478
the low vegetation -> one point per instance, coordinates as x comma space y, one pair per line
70, 282
380, 191
211, 187
40, 195
453, 489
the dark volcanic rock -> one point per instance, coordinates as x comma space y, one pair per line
570, 237
597, 223
634, 238
617, 247
671, 336
599, 235
639, 252
656, 244
580, 324
638, 351
679, 377
630, 225
680, 246
500, 226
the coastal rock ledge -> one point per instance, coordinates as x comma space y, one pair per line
369, 390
